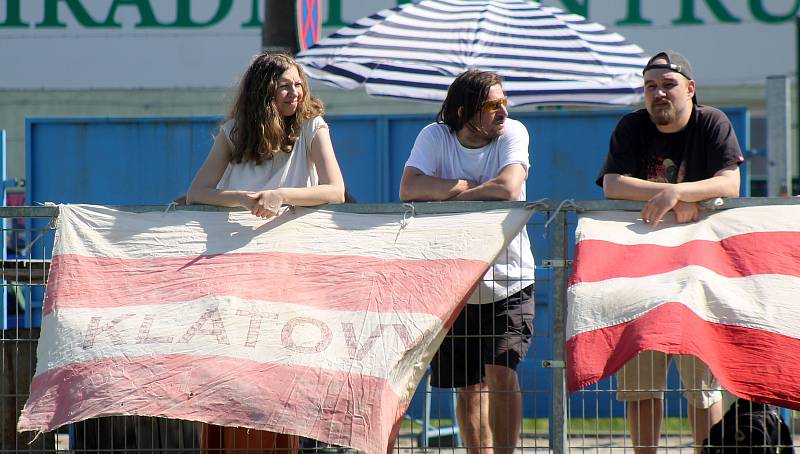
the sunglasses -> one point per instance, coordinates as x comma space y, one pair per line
494, 105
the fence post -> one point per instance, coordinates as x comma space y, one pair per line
558, 429
779, 175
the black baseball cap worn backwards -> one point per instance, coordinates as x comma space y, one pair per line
674, 62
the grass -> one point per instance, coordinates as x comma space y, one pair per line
615, 425
577, 426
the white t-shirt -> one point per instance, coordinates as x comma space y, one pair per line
438, 153
284, 170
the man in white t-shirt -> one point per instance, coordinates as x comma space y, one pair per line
475, 152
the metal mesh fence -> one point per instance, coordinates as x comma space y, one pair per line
591, 420
24, 275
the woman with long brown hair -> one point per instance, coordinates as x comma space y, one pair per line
273, 150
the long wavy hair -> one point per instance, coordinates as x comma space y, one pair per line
259, 130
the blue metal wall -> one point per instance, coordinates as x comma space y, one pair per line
152, 160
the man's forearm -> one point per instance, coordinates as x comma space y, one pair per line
507, 185
427, 188
623, 187
718, 186
490, 190
630, 188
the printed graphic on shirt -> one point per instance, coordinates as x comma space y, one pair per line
664, 170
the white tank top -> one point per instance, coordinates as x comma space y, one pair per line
284, 170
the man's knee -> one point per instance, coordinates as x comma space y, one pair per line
501, 378
470, 394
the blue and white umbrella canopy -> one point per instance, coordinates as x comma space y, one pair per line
545, 55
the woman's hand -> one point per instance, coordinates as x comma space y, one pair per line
265, 204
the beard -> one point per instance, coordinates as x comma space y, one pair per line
493, 133
663, 115
490, 134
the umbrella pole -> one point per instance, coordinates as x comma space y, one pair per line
279, 32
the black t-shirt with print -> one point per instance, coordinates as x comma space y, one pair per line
705, 146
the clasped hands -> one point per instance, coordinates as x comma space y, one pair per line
461, 186
668, 199
264, 204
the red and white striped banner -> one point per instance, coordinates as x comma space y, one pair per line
724, 289
314, 323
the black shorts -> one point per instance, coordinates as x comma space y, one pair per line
496, 333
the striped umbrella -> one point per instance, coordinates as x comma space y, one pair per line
545, 55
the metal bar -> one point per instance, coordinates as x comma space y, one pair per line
27, 271
558, 429
5, 223
779, 176
29, 212
547, 263
625, 205
428, 207
797, 91
361, 208
419, 207
369, 208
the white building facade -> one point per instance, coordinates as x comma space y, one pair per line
182, 57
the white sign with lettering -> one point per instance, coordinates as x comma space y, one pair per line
207, 43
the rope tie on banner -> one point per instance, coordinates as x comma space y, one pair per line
38, 433
409, 213
172, 205
50, 225
568, 203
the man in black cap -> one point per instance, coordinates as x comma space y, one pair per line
671, 155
